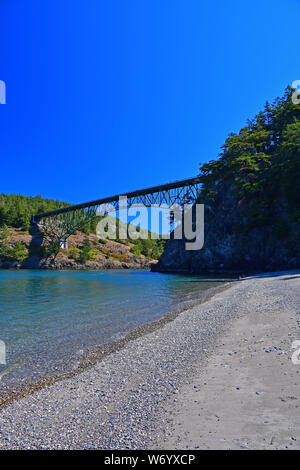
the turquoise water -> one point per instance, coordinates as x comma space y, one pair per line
48, 318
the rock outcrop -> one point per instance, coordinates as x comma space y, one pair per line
111, 255
227, 248
251, 197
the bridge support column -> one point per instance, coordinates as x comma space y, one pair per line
63, 244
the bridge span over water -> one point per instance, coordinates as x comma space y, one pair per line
63, 222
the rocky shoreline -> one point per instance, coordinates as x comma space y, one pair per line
110, 254
34, 262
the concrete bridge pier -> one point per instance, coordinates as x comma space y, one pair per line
63, 244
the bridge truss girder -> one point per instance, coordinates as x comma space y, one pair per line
59, 224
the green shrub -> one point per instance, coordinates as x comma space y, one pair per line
86, 252
74, 252
152, 249
4, 233
18, 252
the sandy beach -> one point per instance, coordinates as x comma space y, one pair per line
218, 376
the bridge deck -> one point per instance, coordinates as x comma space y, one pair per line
140, 192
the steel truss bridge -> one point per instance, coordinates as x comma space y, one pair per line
59, 224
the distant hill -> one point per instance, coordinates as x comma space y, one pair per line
16, 210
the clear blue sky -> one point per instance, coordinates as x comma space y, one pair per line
109, 96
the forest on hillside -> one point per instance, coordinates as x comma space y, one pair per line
262, 164
16, 210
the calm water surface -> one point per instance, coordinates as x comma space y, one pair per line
47, 319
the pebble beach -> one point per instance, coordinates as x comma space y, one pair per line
217, 375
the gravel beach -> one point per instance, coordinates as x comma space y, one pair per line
219, 375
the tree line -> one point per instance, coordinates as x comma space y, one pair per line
16, 210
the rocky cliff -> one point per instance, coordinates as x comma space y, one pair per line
251, 197
228, 249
